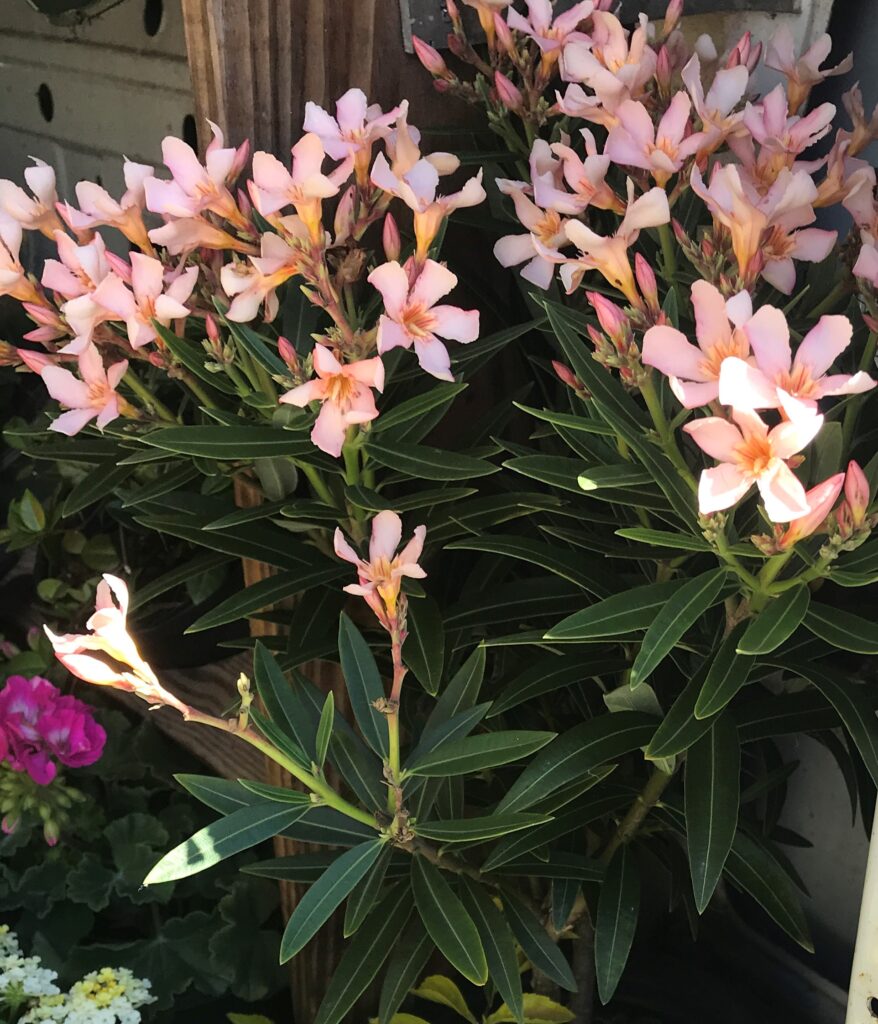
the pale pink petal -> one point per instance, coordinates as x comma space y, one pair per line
433, 282
667, 350
781, 274
147, 276
410, 554
116, 372
329, 430
246, 306
325, 363
791, 436
181, 287
392, 281
782, 494
57, 278
715, 436
392, 335
769, 337
739, 308
343, 549
691, 395
746, 387
842, 384
433, 357
624, 149
823, 344
539, 271
113, 294
64, 387
308, 156
310, 391
167, 309
648, 211
350, 110
711, 316
720, 487
368, 371
72, 422
386, 535
813, 244
91, 366
109, 412
727, 89
182, 162
511, 250
672, 126
457, 324
423, 179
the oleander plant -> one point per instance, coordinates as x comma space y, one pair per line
636, 553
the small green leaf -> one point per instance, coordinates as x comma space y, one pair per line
220, 839
682, 611
542, 952
363, 898
842, 629
680, 728
424, 648
476, 753
100, 482
713, 766
461, 691
776, 622
279, 794
634, 609
363, 684
622, 475
728, 672
616, 921
324, 729
477, 830
664, 538
424, 463
229, 443
333, 886
408, 960
449, 925
441, 990
497, 938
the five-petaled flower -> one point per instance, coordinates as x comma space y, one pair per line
380, 575
411, 316
94, 397
750, 453
350, 135
344, 391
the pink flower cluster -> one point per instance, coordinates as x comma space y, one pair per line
40, 728
213, 244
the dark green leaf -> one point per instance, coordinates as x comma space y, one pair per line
727, 674
222, 795
842, 629
551, 674
542, 952
424, 648
274, 691
333, 886
499, 946
202, 563
664, 538
363, 684
424, 463
477, 830
616, 921
362, 899
96, 485
776, 622
555, 560
713, 766
680, 728
448, 923
476, 753
279, 794
623, 474
461, 692
634, 609
415, 408
408, 960
192, 356
324, 729
257, 347
229, 443
683, 609
168, 480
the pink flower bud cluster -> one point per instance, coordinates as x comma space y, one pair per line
40, 729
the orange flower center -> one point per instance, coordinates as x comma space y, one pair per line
736, 345
798, 381
418, 320
548, 227
340, 389
754, 456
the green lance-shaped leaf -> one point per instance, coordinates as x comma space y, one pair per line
680, 728
318, 903
476, 753
279, 794
363, 684
727, 674
576, 753
461, 691
221, 795
713, 766
238, 831
499, 943
324, 729
616, 921
362, 899
682, 611
622, 613
409, 959
96, 485
842, 629
424, 648
364, 956
543, 954
425, 463
448, 923
777, 621
229, 443
276, 695
478, 830
664, 538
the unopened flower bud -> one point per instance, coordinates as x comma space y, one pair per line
440, 85
566, 375
213, 331
856, 493
36, 362
647, 283
344, 215
508, 94
820, 500
505, 41
244, 204
456, 45
287, 352
610, 316
390, 239
430, 58
663, 70
673, 14
679, 232
121, 268
454, 15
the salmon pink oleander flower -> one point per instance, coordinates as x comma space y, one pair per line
548, 31
411, 316
780, 378
304, 187
716, 108
586, 177
350, 135
36, 212
148, 298
344, 392
634, 141
694, 372
94, 397
381, 575
750, 453
609, 254
802, 72
80, 269
13, 277
250, 286
97, 208
615, 67
121, 666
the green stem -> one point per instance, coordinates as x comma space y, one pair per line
669, 254
851, 414
394, 796
665, 433
767, 576
148, 398
317, 485
732, 560
838, 292
351, 453
199, 392
644, 802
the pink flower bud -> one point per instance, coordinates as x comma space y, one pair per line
35, 361
679, 233
244, 204
663, 69
440, 85
508, 94
456, 45
344, 215
242, 155
610, 316
121, 268
430, 57
856, 493
672, 16
213, 332
157, 359
646, 282
454, 14
46, 315
287, 352
566, 375
820, 500
504, 34
390, 238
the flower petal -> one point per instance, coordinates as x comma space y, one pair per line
720, 488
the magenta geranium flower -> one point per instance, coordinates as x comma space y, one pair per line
71, 734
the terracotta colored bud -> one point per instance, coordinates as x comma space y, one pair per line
431, 59
390, 239
566, 375
287, 352
679, 233
646, 282
213, 331
508, 94
440, 85
454, 15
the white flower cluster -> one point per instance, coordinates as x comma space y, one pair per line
112, 995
